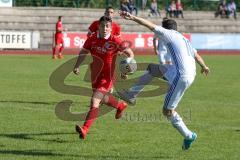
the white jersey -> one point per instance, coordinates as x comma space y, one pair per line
163, 55
181, 51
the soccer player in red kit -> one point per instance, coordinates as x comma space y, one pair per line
104, 48
59, 42
116, 29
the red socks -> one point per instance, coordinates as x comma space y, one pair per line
60, 50
91, 117
112, 101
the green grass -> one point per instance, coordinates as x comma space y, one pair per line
29, 128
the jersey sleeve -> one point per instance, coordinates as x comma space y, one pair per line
194, 52
87, 44
121, 46
160, 31
93, 27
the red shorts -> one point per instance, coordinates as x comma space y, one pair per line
59, 39
102, 85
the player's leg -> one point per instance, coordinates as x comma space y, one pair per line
112, 101
92, 114
60, 54
55, 47
173, 97
153, 70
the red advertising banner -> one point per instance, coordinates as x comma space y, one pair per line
74, 40
136, 40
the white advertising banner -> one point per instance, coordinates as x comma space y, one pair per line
5, 3
15, 40
219, 41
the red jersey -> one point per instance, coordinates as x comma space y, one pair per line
59, 29
93, 28
104, 52
179, 6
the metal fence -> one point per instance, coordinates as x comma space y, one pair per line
188, 4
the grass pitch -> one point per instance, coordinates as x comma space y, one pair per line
29, 128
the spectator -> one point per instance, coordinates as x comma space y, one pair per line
128, 6
132, 7
171, 9
179, 8
144, 3
154, 9
124, 6
231, 9
222, 9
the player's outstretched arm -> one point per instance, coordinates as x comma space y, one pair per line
139, 20
201, 62
80, 59
128, 53
155, 45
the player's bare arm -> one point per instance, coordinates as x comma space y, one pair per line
139, 20
155, 45
128, 53
201, 62
80, 59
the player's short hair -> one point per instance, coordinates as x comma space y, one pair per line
60, 17
109, 7
169, 24
105, 19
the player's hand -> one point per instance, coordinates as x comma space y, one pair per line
205, 70
125, 15
76, 71
124, 76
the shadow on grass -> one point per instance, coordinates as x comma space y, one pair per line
48, 153
35, 153
34, 102
37, 136
30, 102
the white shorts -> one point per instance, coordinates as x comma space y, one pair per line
170, 74
176, 90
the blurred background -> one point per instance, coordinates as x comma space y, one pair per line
188, 4
202, 22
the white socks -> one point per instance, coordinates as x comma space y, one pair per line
178, 123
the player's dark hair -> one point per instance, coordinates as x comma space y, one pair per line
109, 7
60, 17
105, 19
169, 24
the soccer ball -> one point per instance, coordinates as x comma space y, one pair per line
128, 66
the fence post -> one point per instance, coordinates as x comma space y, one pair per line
106, 3
194, 5
14, 3
78, 3
46, 3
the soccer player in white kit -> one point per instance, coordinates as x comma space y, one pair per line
161, 50
183, 57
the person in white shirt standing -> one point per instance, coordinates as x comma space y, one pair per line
183, 57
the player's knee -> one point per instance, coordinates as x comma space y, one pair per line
168, 112
96, 99
105, 99
94, 103
154, 70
